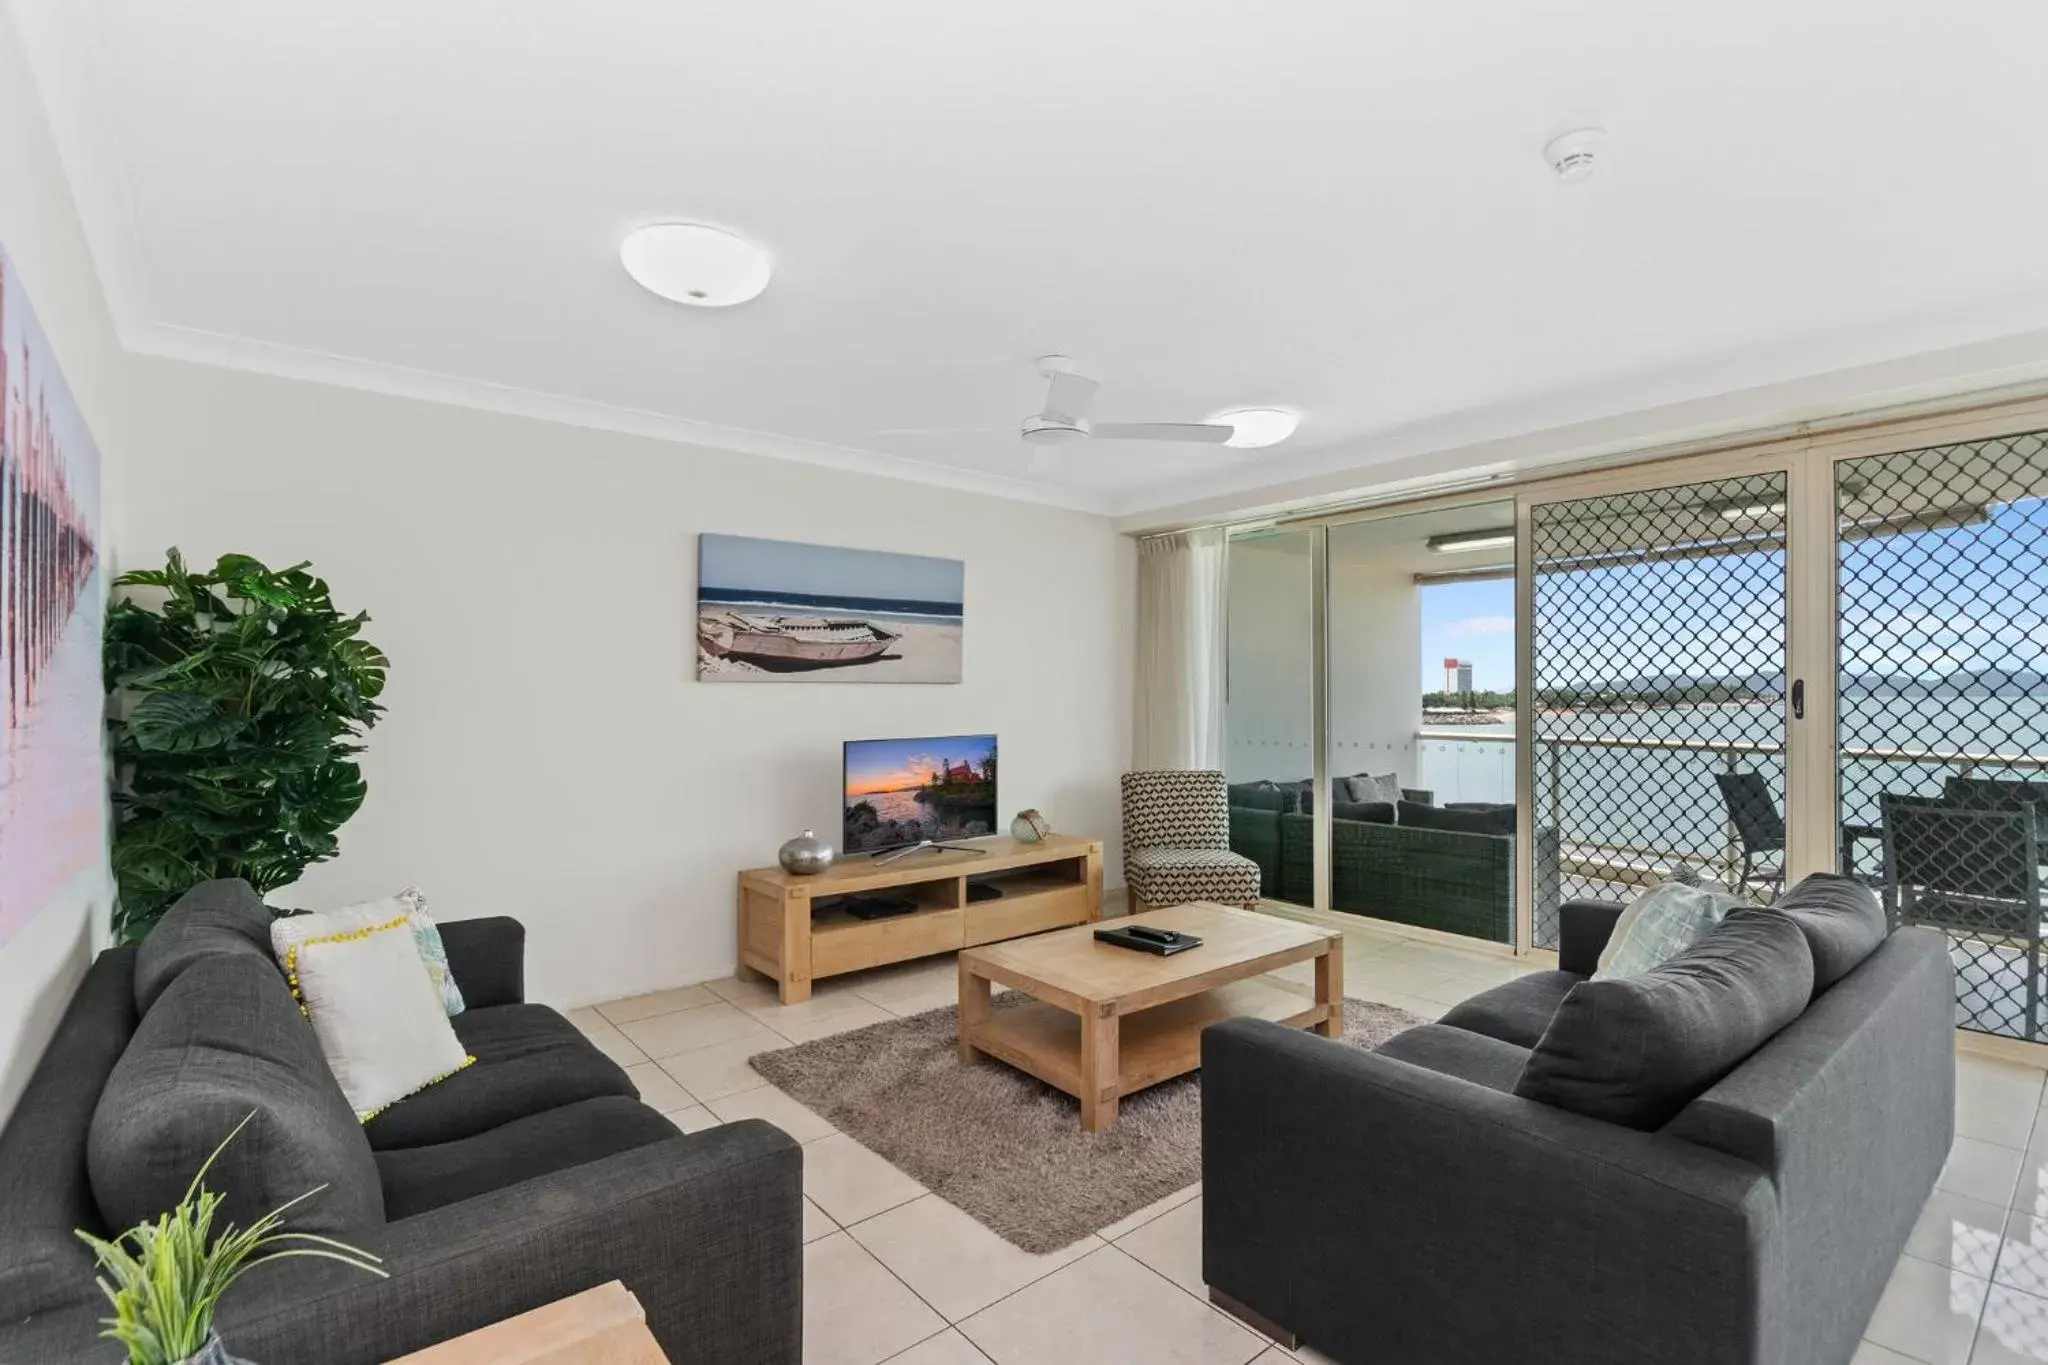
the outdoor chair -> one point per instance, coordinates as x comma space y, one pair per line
1758, 825
1177, 842
1972, 873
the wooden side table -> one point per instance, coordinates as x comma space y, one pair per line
601, 1326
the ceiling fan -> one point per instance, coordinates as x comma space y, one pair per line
1064, 417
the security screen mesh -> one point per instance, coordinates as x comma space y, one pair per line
1658, 663
1943, 706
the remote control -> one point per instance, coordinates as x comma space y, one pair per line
1151, 935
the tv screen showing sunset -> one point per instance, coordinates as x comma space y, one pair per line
901, 791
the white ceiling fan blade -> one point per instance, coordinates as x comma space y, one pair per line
1205, 432
1069, 395
946, 431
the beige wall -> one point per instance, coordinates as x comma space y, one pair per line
548, 753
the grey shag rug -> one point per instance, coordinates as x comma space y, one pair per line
1005, 1147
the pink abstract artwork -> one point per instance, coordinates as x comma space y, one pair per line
52, 789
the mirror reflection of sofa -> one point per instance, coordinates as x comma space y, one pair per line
1409, 860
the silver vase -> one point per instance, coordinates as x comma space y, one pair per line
806, 855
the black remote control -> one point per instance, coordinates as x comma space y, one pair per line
1147, 932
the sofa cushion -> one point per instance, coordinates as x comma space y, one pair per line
1363, 788
1516, 1012
1363, 812
1495, 820
224, 1042
1257, 796
528, 1059
420, 1178
1843, 921
224, 916
1637, 1049
1455, 1052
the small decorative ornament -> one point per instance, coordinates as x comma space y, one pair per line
806, 855
1029, 827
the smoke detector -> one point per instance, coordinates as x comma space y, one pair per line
1572, 154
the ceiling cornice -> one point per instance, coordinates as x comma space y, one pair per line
60, 57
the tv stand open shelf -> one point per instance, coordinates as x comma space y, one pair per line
790, 933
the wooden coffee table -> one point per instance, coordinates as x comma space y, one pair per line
1105, 1022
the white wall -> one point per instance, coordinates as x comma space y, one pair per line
41, 964
548, 753
1375, 643
1268, 718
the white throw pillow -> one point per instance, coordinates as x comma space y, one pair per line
1660, 924
374, 1009
425, 933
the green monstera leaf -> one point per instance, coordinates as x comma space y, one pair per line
240, 694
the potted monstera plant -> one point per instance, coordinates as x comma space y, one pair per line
239, 697
166, 1277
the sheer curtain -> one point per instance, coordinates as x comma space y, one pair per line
1181, 657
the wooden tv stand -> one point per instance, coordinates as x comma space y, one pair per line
790, 934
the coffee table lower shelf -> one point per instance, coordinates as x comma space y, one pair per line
1152, 1045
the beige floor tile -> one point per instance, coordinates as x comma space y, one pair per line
952, 1262
657, 1002
1870, 1353
658, 1089
907, 980
1132, 1222
1371, 980
694, 1119
1308, 1355
850, 1182
2014, 1330
2023, 1262
757, 992
1981, 1170
947, 1348
711, 1072
942, 998
817, 1223
1172, 1245
588, 1019
706, 1026
766, 1102
1107, 1307
1959, 1232
858, 1014
856, 1312
1996, 1101
1928, 1312
615, 1045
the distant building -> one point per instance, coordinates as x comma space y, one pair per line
1464, 678
1450, 675
961, 772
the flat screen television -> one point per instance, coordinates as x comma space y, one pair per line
901, 791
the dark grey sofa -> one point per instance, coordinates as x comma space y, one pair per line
533, 1174
1407, 1206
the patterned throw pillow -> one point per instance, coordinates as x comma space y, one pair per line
1660, 924
376, 1014
411, 903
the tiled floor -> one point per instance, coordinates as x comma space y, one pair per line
895, 1274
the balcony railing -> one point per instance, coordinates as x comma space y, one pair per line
1463, 766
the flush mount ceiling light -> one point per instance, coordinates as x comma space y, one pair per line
1258, 427
1461, 541
705, 267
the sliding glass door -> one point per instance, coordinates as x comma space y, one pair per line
1269, 709
1657, 649
1942, 643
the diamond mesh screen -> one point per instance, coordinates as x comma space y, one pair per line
1658, 662
1943, 706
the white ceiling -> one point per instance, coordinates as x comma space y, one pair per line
1340, 206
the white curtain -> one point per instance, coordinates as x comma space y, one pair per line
1181, 661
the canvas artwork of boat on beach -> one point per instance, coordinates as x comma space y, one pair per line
784, 611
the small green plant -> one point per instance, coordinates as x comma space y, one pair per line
239, 700
165, 1277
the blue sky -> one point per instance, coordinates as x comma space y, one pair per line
766, 566
1473, 621
1926, 603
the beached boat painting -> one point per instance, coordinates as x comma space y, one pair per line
784, 611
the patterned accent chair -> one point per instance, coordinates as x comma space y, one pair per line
1177, 842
